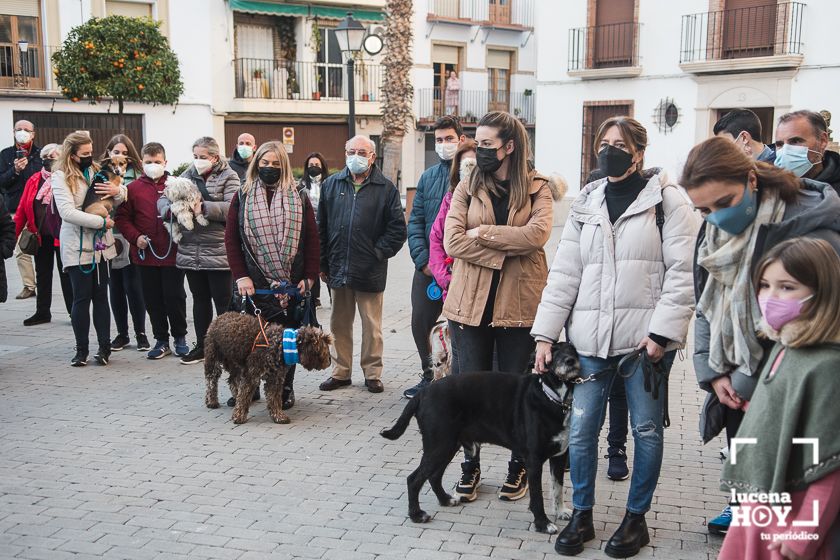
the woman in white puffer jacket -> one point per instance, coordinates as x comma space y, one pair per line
620, 281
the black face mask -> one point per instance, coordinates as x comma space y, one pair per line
48, 164
85, 162
486, 160
614, 161
269, 175
314, 171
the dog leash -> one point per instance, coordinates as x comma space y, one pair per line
142, 252
654, 376
98, 245
261, 340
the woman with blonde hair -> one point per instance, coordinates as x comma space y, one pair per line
498, 222
87, 244
620, 285
272, 244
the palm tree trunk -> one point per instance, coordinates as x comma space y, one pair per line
397, 114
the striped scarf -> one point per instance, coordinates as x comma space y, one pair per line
273, 231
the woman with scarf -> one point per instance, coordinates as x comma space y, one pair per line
272, 243
749, 208
38, 214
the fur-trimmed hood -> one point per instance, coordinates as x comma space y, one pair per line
788, 333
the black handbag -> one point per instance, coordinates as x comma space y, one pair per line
30, 242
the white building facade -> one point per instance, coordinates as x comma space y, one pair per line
491, 46
676, 67
247, 66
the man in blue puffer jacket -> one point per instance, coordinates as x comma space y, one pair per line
433, 185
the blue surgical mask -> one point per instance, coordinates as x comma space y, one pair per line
736, 219
794, 159
357, 164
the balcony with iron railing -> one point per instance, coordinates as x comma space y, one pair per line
756, 38
26, 71
513, 14
604, 51
471, 105
257, 78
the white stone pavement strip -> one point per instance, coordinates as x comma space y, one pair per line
125, 461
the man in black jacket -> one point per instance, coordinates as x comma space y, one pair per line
361, 225
807, 131
18, 163
242, 156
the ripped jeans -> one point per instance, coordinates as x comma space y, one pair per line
588, 412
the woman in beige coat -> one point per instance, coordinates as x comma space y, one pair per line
497, 225
621, 281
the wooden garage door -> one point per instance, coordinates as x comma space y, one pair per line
54, 127
327, 138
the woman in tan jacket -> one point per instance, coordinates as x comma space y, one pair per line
496, 228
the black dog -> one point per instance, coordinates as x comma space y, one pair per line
528, 414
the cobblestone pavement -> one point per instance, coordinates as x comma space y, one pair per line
125, 461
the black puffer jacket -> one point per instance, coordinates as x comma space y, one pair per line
7, 247
831, 170
12, 183
239, 165
359, 231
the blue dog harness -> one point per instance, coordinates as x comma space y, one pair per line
290, 350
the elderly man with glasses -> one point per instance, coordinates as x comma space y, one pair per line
361, 225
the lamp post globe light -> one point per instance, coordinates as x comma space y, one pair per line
350, 35
21, 78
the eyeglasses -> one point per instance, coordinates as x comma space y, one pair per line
363, 153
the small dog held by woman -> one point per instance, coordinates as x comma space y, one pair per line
184, 196
252, 352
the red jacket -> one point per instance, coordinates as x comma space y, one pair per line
25, 215
138, 215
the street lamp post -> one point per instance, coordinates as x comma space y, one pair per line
350, 35
22, 77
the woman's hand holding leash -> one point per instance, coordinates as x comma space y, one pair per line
542, 358
109, 223
304, 285
654, 351
245, 286
142, 242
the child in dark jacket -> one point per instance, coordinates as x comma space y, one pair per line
153, 250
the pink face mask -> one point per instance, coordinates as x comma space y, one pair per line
779, 312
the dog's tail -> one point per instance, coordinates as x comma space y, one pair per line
399, 428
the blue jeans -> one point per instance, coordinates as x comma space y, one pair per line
588, 411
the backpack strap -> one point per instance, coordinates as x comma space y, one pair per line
660, 219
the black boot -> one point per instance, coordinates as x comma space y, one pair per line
289, 389
629, 538
579, 530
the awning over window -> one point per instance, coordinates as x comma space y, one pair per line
303, 10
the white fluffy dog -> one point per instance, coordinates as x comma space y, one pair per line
183, 195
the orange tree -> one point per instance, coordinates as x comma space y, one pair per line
121, 58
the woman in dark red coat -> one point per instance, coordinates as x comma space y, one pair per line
271, 240
37, 213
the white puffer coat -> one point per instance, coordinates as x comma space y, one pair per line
617, 283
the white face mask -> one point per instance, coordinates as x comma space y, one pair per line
22, 136
245, 151
202, 165
467, 165
153, 170
446, 151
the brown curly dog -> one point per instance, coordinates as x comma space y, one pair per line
228, 346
